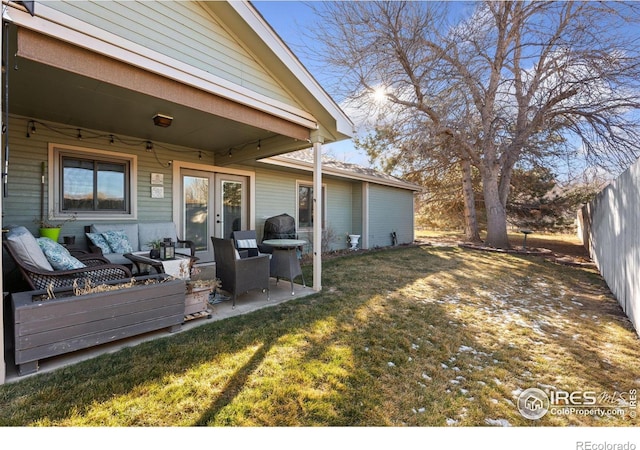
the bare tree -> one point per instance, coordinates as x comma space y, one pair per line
483, 87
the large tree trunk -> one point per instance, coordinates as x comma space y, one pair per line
496, 213
471, 230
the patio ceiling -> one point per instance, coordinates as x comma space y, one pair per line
100, 98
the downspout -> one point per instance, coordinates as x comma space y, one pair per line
317, 141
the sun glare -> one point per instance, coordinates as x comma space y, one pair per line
380, 94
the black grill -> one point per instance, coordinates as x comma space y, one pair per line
280, 227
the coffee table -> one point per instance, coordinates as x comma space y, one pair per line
169, 266
284, 261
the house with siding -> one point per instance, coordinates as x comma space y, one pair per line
176, 111
357, 200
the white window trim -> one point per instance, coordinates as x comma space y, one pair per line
53, 173
297, 207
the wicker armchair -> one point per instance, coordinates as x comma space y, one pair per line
98, 270
239, 275
247, 244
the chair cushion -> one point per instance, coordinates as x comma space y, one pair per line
247, 243
117, 258
131, 229
118, 241
98, 240
58, 256
153, 231
26, 248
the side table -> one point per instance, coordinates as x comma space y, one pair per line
284, 261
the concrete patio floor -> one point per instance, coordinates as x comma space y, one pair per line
280, 292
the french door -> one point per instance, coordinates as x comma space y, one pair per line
213, 204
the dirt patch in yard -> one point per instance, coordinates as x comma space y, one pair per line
564, 249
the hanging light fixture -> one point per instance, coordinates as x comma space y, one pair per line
162, 120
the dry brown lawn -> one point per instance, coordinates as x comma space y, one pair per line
412, 336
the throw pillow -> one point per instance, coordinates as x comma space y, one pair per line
118, 241
26, 248
247, 243
58, 256
99, 241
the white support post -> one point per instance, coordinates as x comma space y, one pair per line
317, 214
3, 366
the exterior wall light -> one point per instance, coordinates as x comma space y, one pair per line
162, 120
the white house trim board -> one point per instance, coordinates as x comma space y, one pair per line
49, 22
343, 124
365, 215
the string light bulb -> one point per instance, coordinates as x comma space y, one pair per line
31, 128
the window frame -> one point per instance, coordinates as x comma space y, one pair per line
57, 151
299, 184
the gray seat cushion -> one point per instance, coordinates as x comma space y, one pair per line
26, 248
117, 258
152, 231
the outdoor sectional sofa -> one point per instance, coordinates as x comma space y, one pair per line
107, 239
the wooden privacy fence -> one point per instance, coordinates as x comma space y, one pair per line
609, 227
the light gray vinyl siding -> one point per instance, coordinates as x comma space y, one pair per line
275, 195
26, 156
390, 210
183, 30
356, 208
338, 211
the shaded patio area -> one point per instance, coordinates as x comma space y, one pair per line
280, 292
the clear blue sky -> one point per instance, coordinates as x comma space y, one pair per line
290, 19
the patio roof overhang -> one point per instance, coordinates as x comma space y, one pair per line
62, 83
62, 75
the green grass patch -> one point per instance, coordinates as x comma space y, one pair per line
415, 336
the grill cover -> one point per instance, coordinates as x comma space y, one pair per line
280, 227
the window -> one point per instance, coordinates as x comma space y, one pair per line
91, 183
305, 206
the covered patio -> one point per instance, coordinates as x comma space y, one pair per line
80, 79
